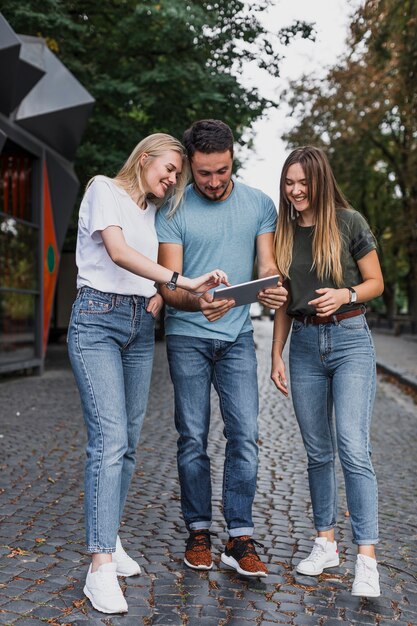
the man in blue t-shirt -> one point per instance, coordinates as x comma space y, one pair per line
220, 223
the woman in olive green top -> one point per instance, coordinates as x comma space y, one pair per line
327, 254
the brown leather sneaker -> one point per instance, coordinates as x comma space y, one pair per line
198, 550
240, 553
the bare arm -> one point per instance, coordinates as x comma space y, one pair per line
330, 300
272, 298
282, 326
171, 255
373, 282
130, 259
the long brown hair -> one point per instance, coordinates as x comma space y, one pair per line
324, 196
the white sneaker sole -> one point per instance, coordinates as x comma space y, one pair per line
231, 562
99, 608
370, 594
136, 572
333, 563
200, 567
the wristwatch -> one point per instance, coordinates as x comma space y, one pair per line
172, 284
353, 296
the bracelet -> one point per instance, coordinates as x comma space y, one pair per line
280, 340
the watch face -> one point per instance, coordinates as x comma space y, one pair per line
172, 284
354, 296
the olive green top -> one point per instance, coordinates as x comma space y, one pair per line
357, 241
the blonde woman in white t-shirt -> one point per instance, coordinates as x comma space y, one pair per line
111, 339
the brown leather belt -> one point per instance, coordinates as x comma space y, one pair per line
328, 319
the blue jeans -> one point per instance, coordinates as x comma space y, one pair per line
195, 364
110, 344
333, 366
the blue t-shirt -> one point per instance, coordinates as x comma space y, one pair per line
216, 235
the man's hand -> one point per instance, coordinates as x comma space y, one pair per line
273, 297
214, 309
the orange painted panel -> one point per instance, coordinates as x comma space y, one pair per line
50, 259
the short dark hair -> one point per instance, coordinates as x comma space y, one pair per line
208, 136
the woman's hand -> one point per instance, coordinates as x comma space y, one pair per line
278, 374
155, 304
205, 282
330, 300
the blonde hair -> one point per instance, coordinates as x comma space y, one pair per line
324, 196
132, 175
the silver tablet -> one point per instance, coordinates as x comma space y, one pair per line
245, 293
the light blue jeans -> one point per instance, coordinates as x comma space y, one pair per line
110, 345
332, 366
195, 364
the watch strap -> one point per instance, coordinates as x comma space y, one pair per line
352, 294
172, 284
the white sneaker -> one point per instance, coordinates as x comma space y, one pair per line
366, 583
126, 566
324, 554
103, 590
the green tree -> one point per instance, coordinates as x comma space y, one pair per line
156, 65
364, 114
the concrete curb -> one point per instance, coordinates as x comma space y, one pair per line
384, 369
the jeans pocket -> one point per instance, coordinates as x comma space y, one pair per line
353, 323
95, 304
297, 326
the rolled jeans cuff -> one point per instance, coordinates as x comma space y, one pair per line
199, 526
240, 532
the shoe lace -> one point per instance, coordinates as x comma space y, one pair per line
246, 547
316, 553
363, 571
199, 540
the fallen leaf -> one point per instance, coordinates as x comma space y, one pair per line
17, 552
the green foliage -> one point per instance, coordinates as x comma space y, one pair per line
156, 65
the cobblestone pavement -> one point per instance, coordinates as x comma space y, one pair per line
43, 564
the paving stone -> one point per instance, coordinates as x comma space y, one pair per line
359, 618
8, 618
125, 620
46, 612
306, 620
48, 441
167, 620
213, 612
21, 584
19, 606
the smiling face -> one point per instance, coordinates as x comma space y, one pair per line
296, 191
296, 187
160, 173
212, 174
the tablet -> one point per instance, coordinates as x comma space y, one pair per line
245, 293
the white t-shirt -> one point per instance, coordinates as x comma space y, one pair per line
105, 204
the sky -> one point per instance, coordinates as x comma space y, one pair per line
263, 165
